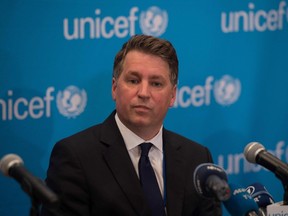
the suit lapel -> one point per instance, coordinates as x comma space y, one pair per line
119, 162
175, 179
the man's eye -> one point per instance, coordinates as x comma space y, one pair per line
157, 84
133, 81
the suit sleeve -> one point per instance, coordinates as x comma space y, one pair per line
66, 178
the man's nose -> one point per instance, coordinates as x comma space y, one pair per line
143, 90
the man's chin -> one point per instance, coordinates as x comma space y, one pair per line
141, 123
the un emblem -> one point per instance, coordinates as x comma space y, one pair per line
153, 21
72, 101
227, 90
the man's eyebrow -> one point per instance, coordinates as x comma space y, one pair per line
136, 73
133, 73
157, 77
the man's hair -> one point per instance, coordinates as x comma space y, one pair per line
152, 46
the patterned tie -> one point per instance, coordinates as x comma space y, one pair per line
149, 182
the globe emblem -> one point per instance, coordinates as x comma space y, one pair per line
227, 90
72, 101
153, 21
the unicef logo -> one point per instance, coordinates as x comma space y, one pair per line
227, 90
71, 101
153, 21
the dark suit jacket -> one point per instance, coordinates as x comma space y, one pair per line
92, 173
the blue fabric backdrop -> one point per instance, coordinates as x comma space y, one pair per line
56, 62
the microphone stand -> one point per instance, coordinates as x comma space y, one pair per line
35, 206
35, 203
285, 197
282, 174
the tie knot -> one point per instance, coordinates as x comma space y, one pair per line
145, 148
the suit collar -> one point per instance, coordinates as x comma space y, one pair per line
132, 140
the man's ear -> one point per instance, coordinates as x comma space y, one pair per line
114, 86
173, 96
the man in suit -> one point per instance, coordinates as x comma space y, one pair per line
95, 172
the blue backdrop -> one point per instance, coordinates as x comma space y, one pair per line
56, 61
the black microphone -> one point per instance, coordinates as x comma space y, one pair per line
211, 181
11, 165
255, 153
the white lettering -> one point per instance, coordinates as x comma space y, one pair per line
251, 20
106, 27
35, 104
48, 98
194, 96
16, 109
22, 108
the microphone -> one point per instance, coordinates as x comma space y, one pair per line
261, 196
211, 181
255, 153
11, 165
240, 203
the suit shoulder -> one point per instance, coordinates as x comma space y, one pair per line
83, 134
81, 140
177, 138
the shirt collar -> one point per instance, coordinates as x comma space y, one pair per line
132, 140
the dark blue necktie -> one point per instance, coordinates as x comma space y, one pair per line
149, 182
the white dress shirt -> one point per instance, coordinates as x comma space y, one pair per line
132, 142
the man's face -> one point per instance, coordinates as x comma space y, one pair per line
143, 92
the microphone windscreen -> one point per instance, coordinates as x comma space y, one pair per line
202, 173
251, 151
260, 195
240, 202
8, 161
